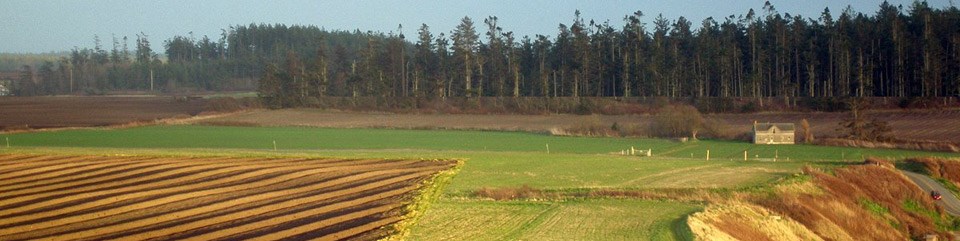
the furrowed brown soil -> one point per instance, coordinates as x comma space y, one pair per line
96, 198
76, 111
906, 125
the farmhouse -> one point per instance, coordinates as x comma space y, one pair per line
773, 133
6, 82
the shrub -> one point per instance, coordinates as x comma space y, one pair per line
506, 193
806, 131
676, 121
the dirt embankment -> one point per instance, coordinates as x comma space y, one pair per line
938, 168
866, 202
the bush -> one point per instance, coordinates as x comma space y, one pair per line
523, 192
749, 107
677, 121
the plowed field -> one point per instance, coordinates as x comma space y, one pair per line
81, 111
97, 198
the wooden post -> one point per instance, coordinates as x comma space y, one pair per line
151, 80
708, 154
8, 141
633, 151
649, 152
548, 148
744, 155
776, 154
274, 145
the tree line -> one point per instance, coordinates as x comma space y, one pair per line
911, 51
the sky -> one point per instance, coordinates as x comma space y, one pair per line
36, 26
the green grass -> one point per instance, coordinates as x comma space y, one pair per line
491, 160
302, 138
596, 219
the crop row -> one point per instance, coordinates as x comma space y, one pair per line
95, 198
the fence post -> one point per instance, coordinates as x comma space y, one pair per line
650, 152
8, 141
708, 154
274, 145
548, 148
744, 155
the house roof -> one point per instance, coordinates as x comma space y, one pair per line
9, 75
768, 126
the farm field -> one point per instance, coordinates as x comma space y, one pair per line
143, 197
912, 124
597, 219
77, 111
495, 159
305, 138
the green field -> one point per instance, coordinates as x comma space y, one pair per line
303, 138
602, 219
496, 159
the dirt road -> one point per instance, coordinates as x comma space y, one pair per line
950, 202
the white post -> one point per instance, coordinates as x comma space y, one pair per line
8, 141
548, 148
633, 151
649, 152
274, 145
708, 154
744, 155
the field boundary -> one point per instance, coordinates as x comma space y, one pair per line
429, 191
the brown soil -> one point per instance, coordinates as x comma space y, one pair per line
74, 111
204, 198
937, 125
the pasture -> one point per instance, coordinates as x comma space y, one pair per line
496, 159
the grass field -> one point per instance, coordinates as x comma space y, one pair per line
496, 159
303, 138
598, 219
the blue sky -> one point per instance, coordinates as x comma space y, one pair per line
47, 25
